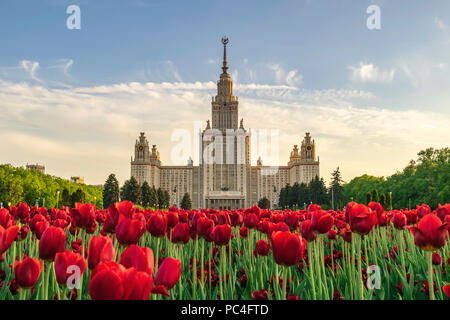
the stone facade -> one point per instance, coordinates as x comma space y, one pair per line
224, 178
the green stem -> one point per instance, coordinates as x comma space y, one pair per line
430, 275
285, 280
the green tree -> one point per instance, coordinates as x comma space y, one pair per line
77, 196
186, 202
375, 196
160, 194
111, 191
146, 191
65, 198
336, 188
19, 184
131, 191
318, 191
303, 197
153, 202
383, 200
368, 197
264, 203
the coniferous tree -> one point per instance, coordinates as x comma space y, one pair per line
153, 198
337, 188
186, 202
146, 194
131, 191
368, 197
282, 200
264, 203
65, 198
78, 196
375, 196
318, 191
160, 194
165, 199
111, 191
383, 200
304, 197
293, 195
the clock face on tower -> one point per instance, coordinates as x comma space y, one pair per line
308, 147
141, 148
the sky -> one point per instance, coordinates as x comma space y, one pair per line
75, 100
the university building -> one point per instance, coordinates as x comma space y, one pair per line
224, 178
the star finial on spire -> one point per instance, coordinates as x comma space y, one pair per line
225, 41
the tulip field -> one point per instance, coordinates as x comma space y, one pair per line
127, 253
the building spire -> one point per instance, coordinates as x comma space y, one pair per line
225, 65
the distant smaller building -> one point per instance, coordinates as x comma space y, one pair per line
78, 180
37, 167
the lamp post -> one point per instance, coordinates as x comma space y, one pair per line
57, 199
390, 199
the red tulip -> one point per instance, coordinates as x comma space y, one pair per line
375, 206
362, 219
137, 285
27, 272
111, 219
321, 221
446, 290
287, 248
157, 224
436, 259
22, 212
168, 273
172, 219
83, 215
383, 220
106, 281
23, 232
243, 232
204, 227
6, 220
7, 236
423, 210
64, 261
251, 220
443, 211
399, 219
430, 233
129, 231
259, 295
221, 234
101, 249
141, 258
53, 240
180, 234
112, 281
262, 247
332, 234
307, 231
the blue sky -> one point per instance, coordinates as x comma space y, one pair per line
321, 50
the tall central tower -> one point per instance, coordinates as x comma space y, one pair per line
224, 104
225, 148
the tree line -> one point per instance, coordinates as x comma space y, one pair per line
144, 195
300, 195
34, 187
424, 180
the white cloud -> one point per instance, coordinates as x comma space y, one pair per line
31, 67
286, 77
367, 72
90, 131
